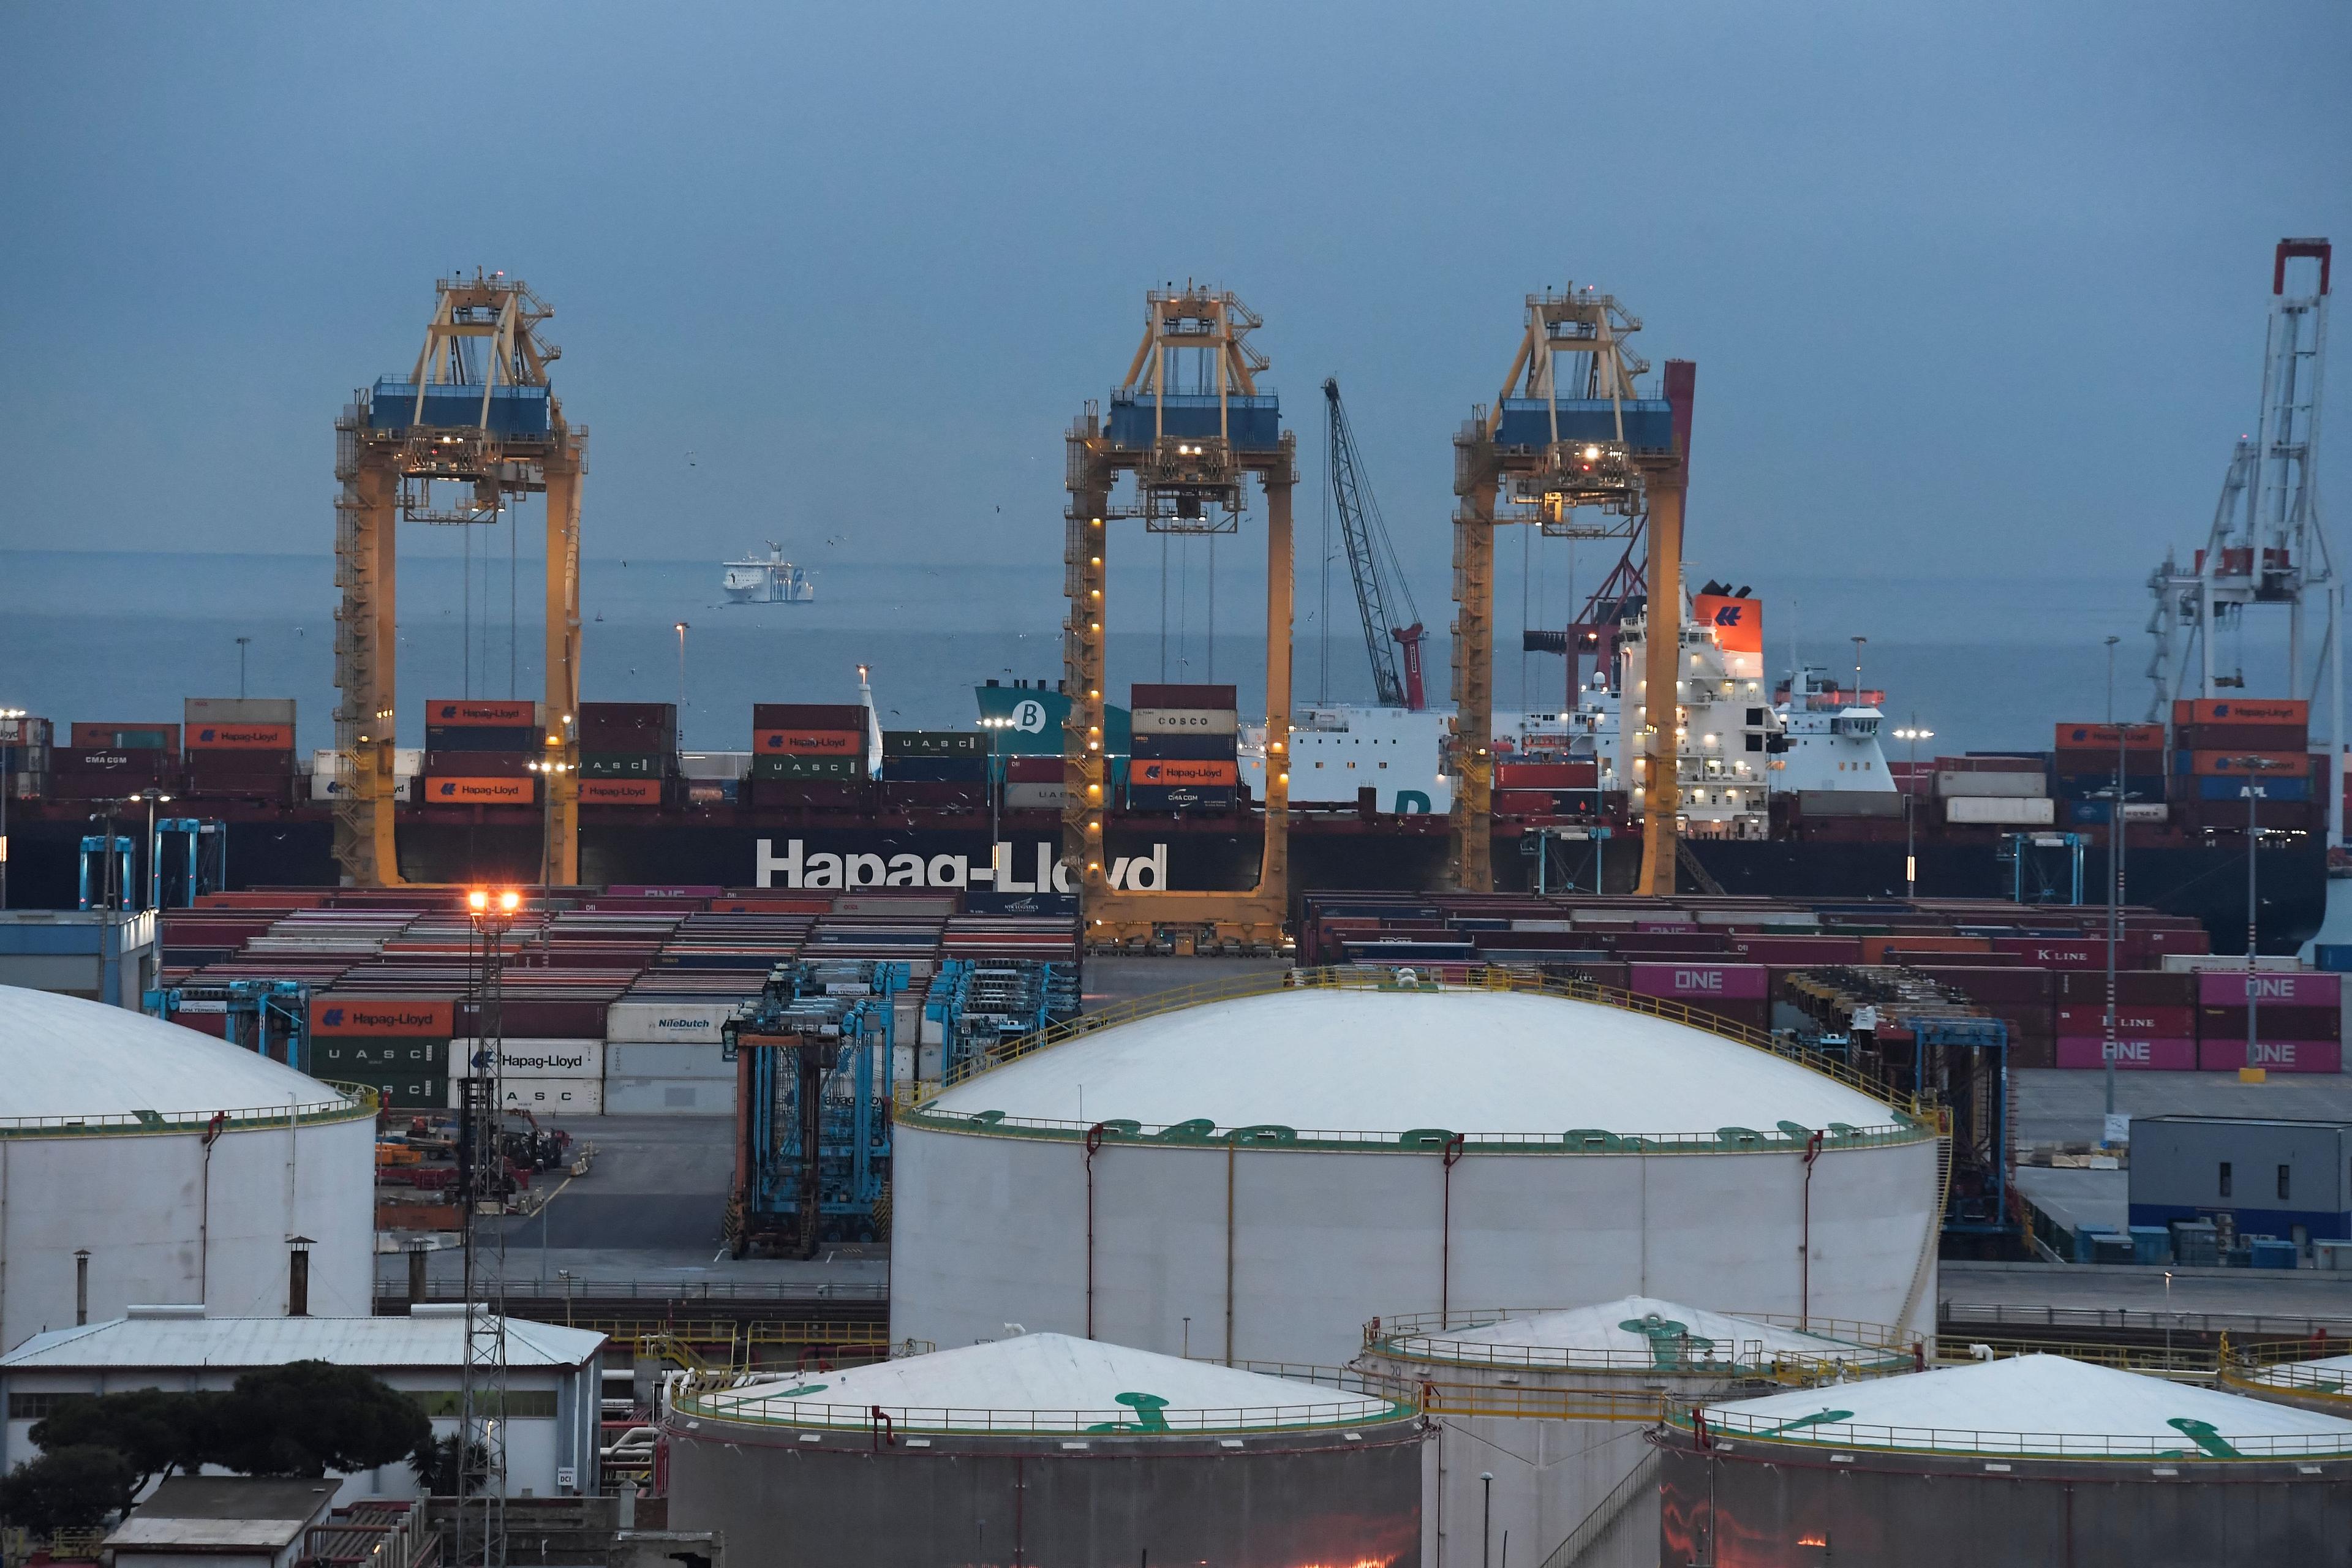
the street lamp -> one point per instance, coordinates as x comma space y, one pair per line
241, 644
1912, 735
2254, 793
1487, 1526
682, 627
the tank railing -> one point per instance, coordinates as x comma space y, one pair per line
1186, 1135
2187, 1363
1115, 1421
1958, 1319
1481, 977
1695, 1357
1646, 1406
529, 1288
362, 1103
1434, 1326
2285, 1366
1816, 1433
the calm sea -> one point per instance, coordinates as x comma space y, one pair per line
1987, 663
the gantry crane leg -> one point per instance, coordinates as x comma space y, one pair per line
1085, 773
562, 840
1469, 822
1662, 670
367, 637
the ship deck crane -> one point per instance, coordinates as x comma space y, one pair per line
1568, 437
1191, 427
1391, 640
476, 413
2267, 546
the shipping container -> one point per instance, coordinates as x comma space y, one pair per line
968, 771
146, 767
672, 1021
483, 738
787, 742
2060, 952
198, 710
934, 744
523, 791
2168, 1053
2234, 788
1183, 721
807, 767
655, 1095
2272, 1022
809, 716
1826, 803
627, 727
2104, 738
2088, 1019
335, 1013
622, 792
27, 733
123, 737
1185, 746
1700, 981
627, 765
2017, 785
357, 1056
556, 1097
1037, 796
2226, 987
2273, 1055
2074, 985
2237, 712
481, 713
1162, 797
1144, 695
2240, 738
482, 764
1171, 774
2012, 811
517, 1058
229, 737
2270, 765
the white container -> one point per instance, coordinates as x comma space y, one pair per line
1036, 796
697, 1059
714, 765
669, 1097
529, 1058
642, 1023
2020, 786
554, 1096
1183, 722
2005, 810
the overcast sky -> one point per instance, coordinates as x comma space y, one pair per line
1972, 288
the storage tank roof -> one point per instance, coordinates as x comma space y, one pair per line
1635, 1334
2035, 1405
1475, 1061
63, 1058
1047, 1382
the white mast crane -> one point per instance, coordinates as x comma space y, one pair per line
2267, 544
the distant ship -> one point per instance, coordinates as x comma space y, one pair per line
774, 581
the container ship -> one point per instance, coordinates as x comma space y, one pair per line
1789, 794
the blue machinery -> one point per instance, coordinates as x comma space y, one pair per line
271, 1017
977, 1005
1964, 1062
2018, 853
814, 1056
188, 858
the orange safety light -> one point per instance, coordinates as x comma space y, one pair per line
477, 900
509, 900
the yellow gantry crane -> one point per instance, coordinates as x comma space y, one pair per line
472, 424
1190, 427
1569, 447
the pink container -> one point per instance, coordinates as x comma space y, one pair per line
2058, 954
2294, 988
2163, 1054
2131, 1021
2276, 1056
1700, 981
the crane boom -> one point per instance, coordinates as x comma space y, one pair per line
1373, 563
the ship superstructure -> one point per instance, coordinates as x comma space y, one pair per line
1832, 735
1727, 728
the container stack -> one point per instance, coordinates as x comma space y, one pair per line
397, 1045
2222, 747
544, 1077
628, 754
1035, 783
327, 781
25, 757
935, 768
241, 746
664, 1053
1186, 754
2006, 792
2083, 760
1545, 789
808, 752
479, 752
112, 761
2298, 1021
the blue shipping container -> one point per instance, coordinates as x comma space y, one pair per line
1527, 421
514, 410
2209, 787
1253, 424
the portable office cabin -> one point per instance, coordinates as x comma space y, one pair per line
2272, 1175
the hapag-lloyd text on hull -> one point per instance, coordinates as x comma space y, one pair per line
1008, 869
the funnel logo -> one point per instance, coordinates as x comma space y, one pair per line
1029, 717
1729, 615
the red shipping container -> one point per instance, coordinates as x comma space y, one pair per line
2284, 1021
1034, 770
1873, 948
2103, 737
2232, 764
2052, 953
241, 738
467, 713
482, 764
2273, 1055
1992, 986
2037, 1052
2244, 738
1543, 776
2133, 987
1785, 950
798, 743
620, 792
2160, 1054
2175, 1023
112, 736
1700, 982
2287, 987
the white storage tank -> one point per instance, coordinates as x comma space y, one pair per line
145, 1163
1041, 1448
1539, 1413
2035, 1458
1253, 1178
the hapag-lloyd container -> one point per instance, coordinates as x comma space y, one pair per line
1699, 982
2214, 1055
529, 1058
2164, 1053
2296, 988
